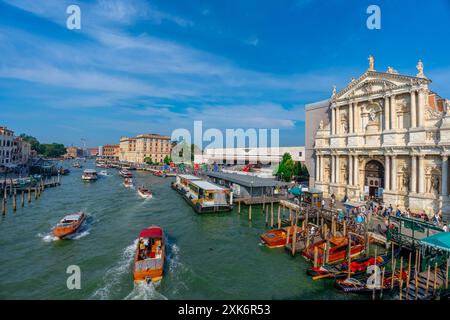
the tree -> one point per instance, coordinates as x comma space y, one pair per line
148, 160
52, 150
286, 168
167, 160
35, 145
301, 171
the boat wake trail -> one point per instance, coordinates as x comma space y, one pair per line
145, 291
47, 237
115, 274
177, 271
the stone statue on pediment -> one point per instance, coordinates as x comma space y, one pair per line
321, 125
371, 63
419, 67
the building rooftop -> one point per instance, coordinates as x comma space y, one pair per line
246, 180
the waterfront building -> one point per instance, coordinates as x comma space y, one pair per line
144, 148
110, 151
383, 134
249, 155
73, 152
14, 150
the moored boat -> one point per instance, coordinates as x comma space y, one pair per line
144, 192
89, 175
69, 224
337, 251
276, 238
357, 267
149, 257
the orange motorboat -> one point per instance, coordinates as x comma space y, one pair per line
69, 225
149, 258
337, 251
277, 238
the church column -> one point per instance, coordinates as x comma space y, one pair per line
321, 168
387, 173
386, 114
350, 169
356, 171
317, 168
421, 173
337, 169
333, 121
394, 173
338, 120
333, 169
393, 113
420, 108
413, 109
356, 117
444, 180
413, 181
350, 112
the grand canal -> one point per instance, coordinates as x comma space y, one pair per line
209, 256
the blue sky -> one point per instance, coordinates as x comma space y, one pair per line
153, 66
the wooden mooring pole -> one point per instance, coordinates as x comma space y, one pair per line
316, 257
394, 265
271, 217
428, 281
239, 206
382, 283
349, 257
401, 278
408, 277
267, 216
23, 198
294, 240
250, 213
29, 195
279, 218
435, 277
14, 203
3, 206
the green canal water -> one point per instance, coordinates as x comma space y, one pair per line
208, 256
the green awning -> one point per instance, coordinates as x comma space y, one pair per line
296, 191
440, 240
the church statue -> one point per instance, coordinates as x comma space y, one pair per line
334, 90
420, 69
371, 63
321, 125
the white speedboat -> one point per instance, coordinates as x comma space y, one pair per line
104, 173
89, 175
128, 182
145, 193
125, 173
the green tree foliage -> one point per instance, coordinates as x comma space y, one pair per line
35, 145
301, 171
286, 168
148, 160
52, 150
167, 160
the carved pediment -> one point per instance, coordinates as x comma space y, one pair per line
372, 82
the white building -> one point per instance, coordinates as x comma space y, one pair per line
249, 155
384, 133
6, 146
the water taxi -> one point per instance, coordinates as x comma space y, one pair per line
69, 224
144, 192
125, 173
128, 182
76, 164
337, 251
149, 257
202, 195
89, 175
276, 238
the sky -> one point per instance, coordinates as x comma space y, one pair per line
139, 66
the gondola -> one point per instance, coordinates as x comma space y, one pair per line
363, 285
357, 267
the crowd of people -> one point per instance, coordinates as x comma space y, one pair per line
378, 208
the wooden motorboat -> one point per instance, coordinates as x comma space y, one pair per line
144, 192
125, 173
276, 238
366, 285
357, 267
69, 224
128, 182
337, 251
149, 257
89, 175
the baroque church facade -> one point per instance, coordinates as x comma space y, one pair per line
388, 135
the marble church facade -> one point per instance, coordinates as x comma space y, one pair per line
386, 134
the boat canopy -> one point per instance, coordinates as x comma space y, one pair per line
189, 177
152, 232
90, 171
72, 217
296, 191
205, 185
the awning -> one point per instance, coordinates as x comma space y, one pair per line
440, 240
152, 232
296, 191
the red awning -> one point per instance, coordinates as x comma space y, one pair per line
152, 232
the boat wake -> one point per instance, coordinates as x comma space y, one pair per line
114, 275
47, 237
145, 291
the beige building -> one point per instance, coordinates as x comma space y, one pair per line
384, 134
144, 146
13, 150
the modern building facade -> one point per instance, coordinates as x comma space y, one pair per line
249, 155
384, 134
143, 147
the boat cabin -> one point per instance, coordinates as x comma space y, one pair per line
149, 259
182, 181
313, 198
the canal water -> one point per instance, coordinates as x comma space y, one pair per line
215, 256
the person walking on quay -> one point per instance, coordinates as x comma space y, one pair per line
445, 228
